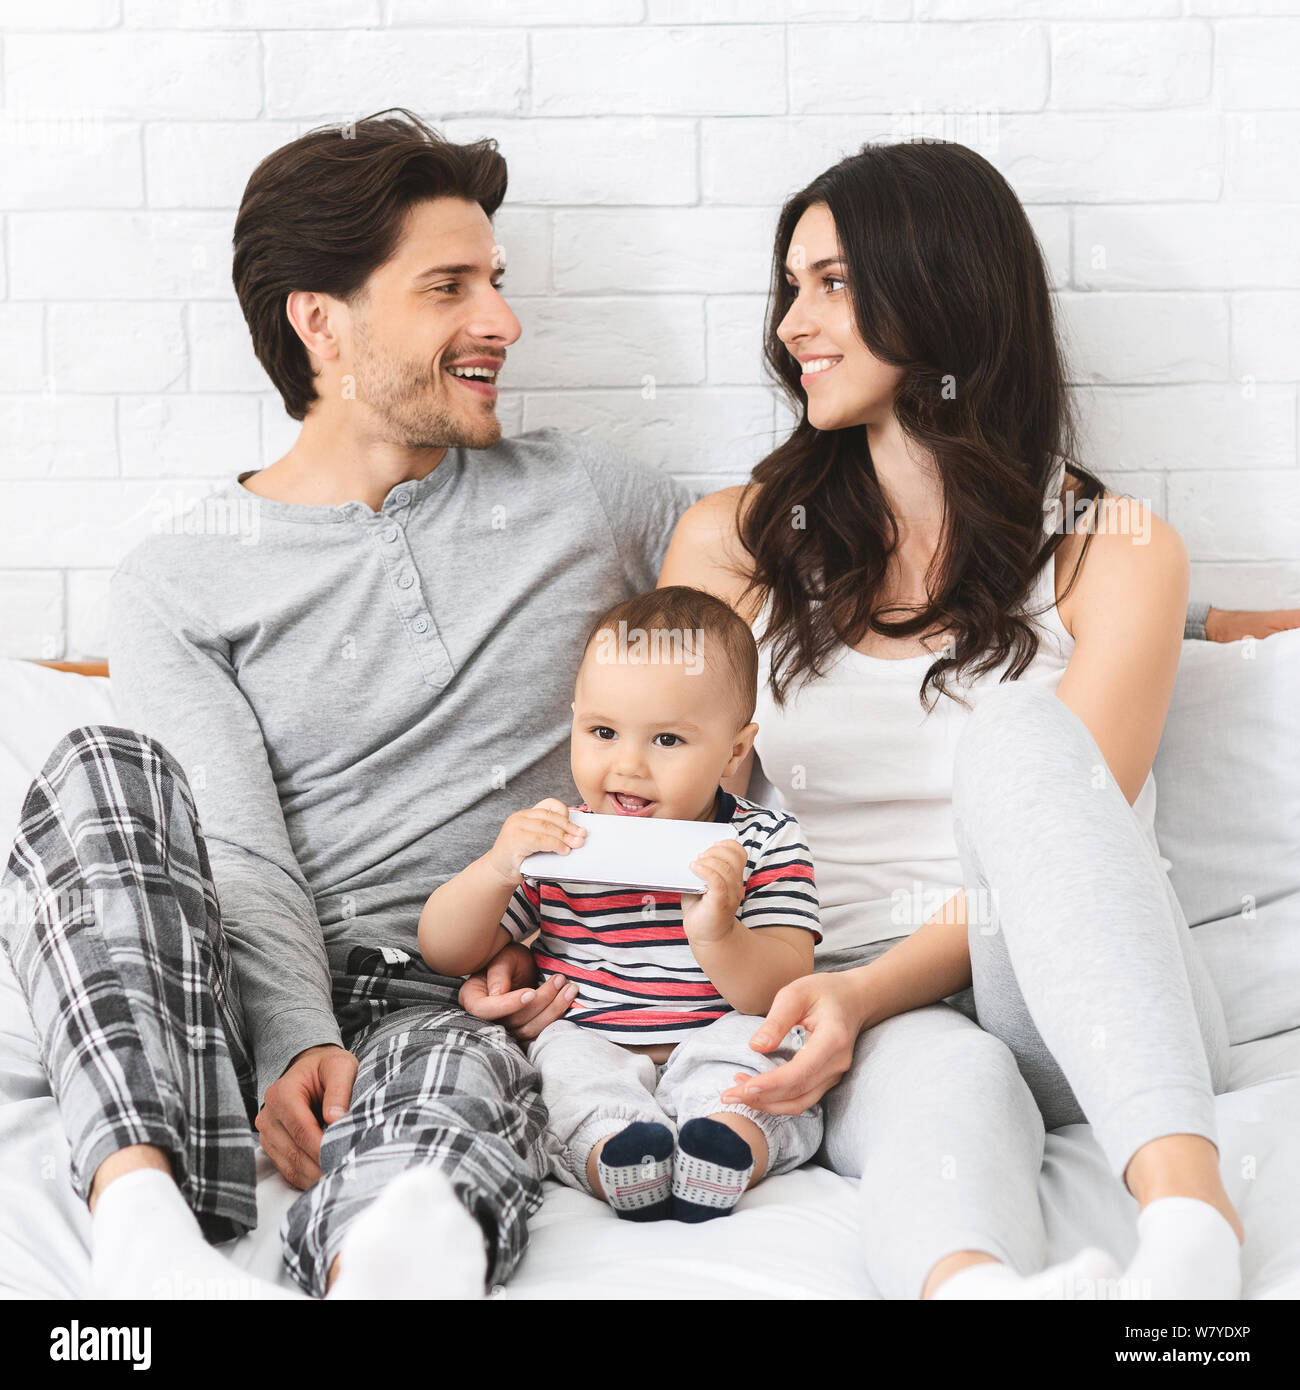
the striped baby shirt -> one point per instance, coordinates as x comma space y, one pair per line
626, 950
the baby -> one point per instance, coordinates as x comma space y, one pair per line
670, 985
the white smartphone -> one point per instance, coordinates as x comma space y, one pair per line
632, 852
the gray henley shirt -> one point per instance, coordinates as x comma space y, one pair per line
360, 698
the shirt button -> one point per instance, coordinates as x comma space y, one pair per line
391, 534
406, 581
421, 624
402, 498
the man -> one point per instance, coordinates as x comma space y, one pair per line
354, 663
359, 660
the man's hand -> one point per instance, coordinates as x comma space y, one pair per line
316, 1087
1231, 625
709, 916
831, 1009
507, 993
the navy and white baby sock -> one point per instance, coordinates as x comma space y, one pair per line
636, 1172
711, 1170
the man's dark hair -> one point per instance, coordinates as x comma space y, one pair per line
679, 608
327, 209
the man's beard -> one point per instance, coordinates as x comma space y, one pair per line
406, 399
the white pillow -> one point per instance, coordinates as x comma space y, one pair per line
37, 707
1228, 820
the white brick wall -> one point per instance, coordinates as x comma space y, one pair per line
651, 142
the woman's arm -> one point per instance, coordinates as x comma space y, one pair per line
1126, 615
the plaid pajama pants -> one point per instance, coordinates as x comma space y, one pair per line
111, 919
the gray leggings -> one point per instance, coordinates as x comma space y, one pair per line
1090, 998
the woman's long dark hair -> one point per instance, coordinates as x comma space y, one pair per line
947, 283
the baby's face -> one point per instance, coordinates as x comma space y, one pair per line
654, 740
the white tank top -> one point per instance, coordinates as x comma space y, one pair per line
868, 773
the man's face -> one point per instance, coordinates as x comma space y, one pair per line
431, 311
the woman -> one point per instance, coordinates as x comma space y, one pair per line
969, 649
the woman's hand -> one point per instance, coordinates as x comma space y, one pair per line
507, 993
832, 1010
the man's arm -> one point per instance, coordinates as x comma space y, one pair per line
1231, 625
642, 505
172, 679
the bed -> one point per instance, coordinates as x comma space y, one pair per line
1228, 778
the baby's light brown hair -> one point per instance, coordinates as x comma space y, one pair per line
681, 609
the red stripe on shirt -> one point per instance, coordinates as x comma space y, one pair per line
571, 932
762, 876
659, 988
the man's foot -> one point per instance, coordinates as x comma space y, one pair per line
1086, 1276
635, 1167
1186, 1249
711, 1170
415, 1240
147, 1244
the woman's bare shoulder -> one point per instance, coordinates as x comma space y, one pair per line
717, 515
706, 550
1131, 550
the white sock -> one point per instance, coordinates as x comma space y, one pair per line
1083, 1277
146, 1243
1186, 1249
415, 1240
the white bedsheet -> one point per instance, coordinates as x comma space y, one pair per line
793, 1237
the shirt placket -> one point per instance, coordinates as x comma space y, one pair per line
388, 534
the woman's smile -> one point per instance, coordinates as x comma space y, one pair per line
814, 367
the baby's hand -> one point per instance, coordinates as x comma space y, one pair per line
708, 917
545, 826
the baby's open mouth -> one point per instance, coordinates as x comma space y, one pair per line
628, 805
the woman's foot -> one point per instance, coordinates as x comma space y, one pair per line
711, 1170
1186, 1249
146, 1243
415, 1240
1085, 1276
635, 1167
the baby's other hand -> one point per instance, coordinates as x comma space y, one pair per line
709, 916
544, 827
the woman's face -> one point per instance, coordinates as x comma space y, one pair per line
844, 383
